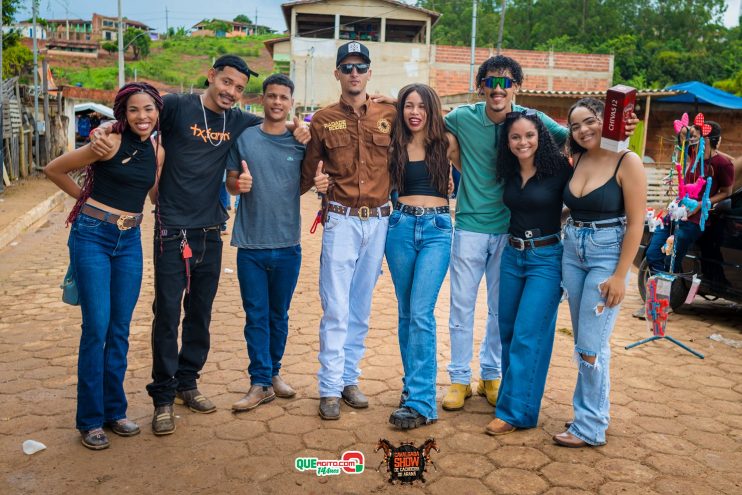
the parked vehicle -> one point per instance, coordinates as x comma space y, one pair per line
716, 258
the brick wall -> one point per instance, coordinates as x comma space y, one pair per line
543, 70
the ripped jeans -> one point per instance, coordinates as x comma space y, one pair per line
590, 257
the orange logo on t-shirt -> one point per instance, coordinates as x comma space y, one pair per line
207, 134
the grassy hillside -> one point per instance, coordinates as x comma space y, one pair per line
173, 62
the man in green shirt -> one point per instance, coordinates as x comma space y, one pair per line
481, 226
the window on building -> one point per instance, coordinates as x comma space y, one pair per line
108, 35
315, 26
359, 28
404, 31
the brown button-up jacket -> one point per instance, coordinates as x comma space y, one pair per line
354, 150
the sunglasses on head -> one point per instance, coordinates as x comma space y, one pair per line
348, 68
493, 81
527, 112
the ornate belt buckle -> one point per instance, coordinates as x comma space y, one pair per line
521, 244
125, 222
419, 211
364, 212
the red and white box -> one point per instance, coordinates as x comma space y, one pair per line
619, 104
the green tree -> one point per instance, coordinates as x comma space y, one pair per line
243, 19
139, 42
110, 47
16, 57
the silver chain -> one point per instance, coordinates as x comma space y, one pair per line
206, 124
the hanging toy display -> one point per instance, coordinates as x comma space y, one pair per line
658, 303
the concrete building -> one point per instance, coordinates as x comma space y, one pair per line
234, 29
99, 28
397, 34
398, 37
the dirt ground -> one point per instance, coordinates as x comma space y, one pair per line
676, 420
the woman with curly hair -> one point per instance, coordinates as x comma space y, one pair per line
106, 255
534, 173
418, 246
607, 197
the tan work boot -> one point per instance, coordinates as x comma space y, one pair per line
455, 397
257, 395
282, 389
489, 389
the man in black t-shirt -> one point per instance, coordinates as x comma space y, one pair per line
197, 133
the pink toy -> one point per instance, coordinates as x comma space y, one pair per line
696, 189
681, 181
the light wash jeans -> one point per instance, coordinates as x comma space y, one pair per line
350, 265
472, 255
590, 257
418, 249
530, 291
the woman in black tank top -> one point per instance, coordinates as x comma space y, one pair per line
607, 198
418, 243
106, 255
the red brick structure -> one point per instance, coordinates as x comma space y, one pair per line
543, 70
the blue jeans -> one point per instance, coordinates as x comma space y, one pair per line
530, 291
472, 255
418, 249
350, 265
686, 233
590, 257
107, 263
267, 282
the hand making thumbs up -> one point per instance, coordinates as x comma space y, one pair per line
321, 179
244, 182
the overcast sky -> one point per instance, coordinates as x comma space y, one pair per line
189, 12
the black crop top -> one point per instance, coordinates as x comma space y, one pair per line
536, 207
123, 181
417, 181
603, 203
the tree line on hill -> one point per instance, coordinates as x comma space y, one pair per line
655, 43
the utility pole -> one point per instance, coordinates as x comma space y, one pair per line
502, 27
167, 27
67, 18
121, 46
256, 20
473, 44
35, 7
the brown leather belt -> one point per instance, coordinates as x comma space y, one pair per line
521, 244
364, 212
123, 222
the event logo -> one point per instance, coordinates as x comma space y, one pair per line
407, 463
351, 462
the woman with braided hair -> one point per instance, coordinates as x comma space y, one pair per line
106, 254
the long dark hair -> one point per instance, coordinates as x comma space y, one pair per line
119, 113
436, 142
596, 107
548, 159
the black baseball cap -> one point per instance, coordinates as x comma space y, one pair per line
236, 63
352, 48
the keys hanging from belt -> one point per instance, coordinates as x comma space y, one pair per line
186, 254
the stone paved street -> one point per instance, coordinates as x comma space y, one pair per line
676, 420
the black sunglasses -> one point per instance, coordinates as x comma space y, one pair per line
526, 112
348, 68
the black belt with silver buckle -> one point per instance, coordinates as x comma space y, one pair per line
522, 244
123, 222
597, 224
419, 211
364, 212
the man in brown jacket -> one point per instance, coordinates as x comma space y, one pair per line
347, 160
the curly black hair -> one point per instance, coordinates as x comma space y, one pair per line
549, 160
500, 63
596, 107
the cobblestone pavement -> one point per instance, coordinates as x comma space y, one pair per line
676, 420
